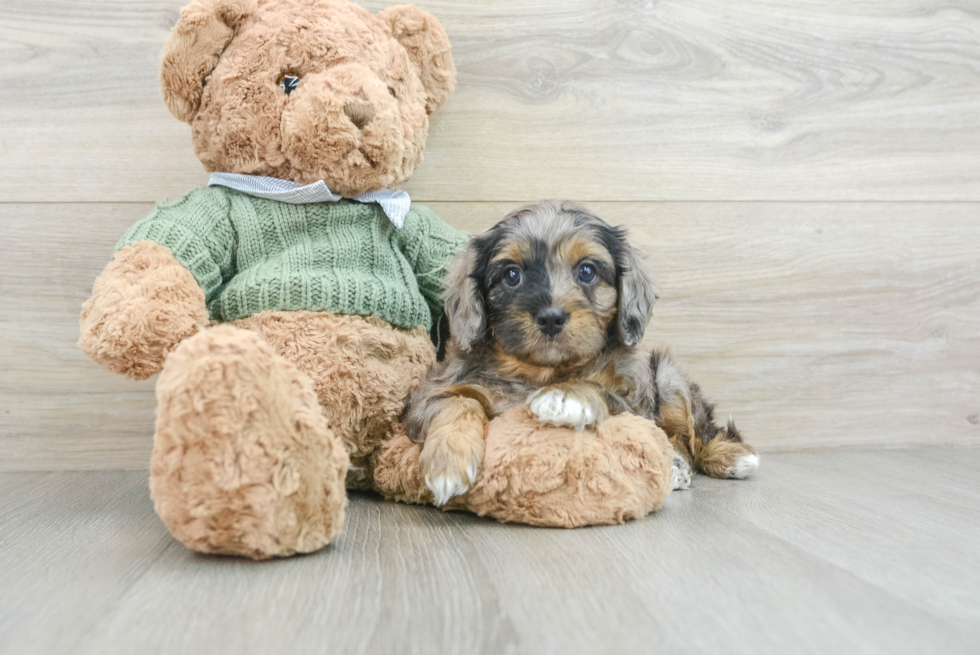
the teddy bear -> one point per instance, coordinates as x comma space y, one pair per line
290, 305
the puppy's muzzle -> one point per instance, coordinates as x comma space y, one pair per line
551, 320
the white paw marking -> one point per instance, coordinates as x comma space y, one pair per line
680, 473
444, 487
554, 407
447, 474
471, 470
743, 467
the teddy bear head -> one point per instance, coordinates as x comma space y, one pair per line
308, 90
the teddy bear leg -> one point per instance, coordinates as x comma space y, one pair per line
244, 462
362, 370
545, 474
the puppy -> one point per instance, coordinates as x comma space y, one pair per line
547, 308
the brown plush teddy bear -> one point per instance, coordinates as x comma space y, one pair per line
287, 304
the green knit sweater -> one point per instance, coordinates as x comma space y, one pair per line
251, 255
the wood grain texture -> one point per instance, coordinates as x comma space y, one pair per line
863, 552
816, 324
668, 100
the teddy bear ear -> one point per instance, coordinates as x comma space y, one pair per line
422, 35
203, 31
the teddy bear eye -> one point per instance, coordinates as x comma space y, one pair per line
287, 82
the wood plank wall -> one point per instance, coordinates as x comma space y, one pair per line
804, 176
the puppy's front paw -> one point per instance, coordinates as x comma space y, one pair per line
557, 407
450, 478
445, 486
680, 473
450, 471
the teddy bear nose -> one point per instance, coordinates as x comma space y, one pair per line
359, 113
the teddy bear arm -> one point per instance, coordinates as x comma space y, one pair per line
141, 307
153, 293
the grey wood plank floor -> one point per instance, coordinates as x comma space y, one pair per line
845, 551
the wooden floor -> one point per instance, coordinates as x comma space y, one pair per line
861, 551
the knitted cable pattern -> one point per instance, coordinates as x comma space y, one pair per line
251, 255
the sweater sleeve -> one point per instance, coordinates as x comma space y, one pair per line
198, 231
430, 245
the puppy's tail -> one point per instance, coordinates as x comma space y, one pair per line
687, 417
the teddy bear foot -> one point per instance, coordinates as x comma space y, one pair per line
543, 474
243, 461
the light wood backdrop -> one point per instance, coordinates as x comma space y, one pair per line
804, 176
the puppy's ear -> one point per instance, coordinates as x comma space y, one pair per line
204, 30
421, 34
464, 303
636, 296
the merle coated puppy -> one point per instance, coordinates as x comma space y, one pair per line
547, 308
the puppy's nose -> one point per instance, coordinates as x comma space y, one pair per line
359, 113
551, 320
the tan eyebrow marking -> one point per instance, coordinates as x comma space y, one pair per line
511, 252
576, 248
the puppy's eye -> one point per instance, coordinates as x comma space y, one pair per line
391, 90
287, 82
512, 276
586, 274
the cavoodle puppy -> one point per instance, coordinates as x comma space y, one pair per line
547, 308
